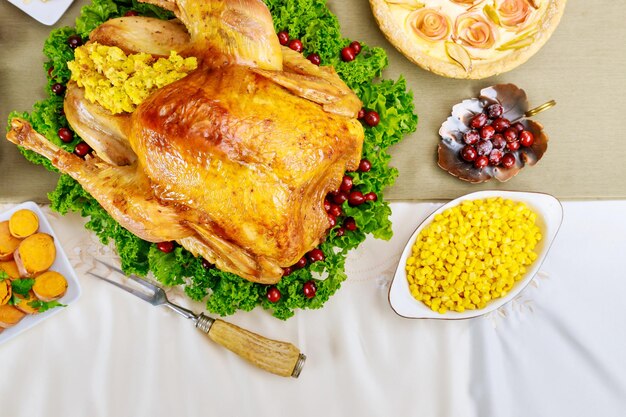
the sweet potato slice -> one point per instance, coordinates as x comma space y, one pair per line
24, 306
50, 286
8, 242
23, 223
10, 316
35, 254
10, 268
6, 290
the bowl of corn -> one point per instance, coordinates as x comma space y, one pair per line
474, 254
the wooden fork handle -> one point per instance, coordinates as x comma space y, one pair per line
280, 358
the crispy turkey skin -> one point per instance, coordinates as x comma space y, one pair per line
255, 158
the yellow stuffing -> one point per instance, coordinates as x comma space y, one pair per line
120, 82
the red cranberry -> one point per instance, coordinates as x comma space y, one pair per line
526, 138
478, 121
341, 197
335, 210
287, 271
340, 231
487, 132
82, 149
501, 124
207, 265
58, 88
296, 45
361, 114
510, 134
165, 247
371, 118
283, 37
346, 183
309, 289
484, 147
519, 126
371, 196
327, 205
273, 294
332, 221
498, 141
74, 41
508, 160
348, 54
350, 224
356, 198
513, 146
494, 110
468, 153
301, 263
495, 157
316, 255
50, 71
315, 59
65, 134
131, 13
365, 165
356, 46
471, 137
481, 162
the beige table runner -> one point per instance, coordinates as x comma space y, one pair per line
583, 67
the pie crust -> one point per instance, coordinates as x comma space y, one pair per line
468, 39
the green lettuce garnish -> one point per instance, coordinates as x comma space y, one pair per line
225, 293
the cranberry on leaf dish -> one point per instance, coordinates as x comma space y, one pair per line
491, 137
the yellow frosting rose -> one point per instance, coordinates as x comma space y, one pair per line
465, 2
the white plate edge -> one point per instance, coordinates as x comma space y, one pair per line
43, 11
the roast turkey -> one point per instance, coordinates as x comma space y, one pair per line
232, 161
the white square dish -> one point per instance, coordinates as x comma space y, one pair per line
61, 264
549, 217
46, 12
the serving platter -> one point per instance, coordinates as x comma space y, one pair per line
61, 265
549, 217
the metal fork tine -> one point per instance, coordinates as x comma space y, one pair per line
144, 283
137, 293
135, 278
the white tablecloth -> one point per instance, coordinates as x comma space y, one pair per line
557, 350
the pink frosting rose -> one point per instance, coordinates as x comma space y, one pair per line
429, 24
513, 13
473, 30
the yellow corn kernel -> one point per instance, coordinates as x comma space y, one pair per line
472, 253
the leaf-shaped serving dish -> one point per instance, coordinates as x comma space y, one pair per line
514, 108
468, 38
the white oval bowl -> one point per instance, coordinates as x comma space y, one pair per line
549, 217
